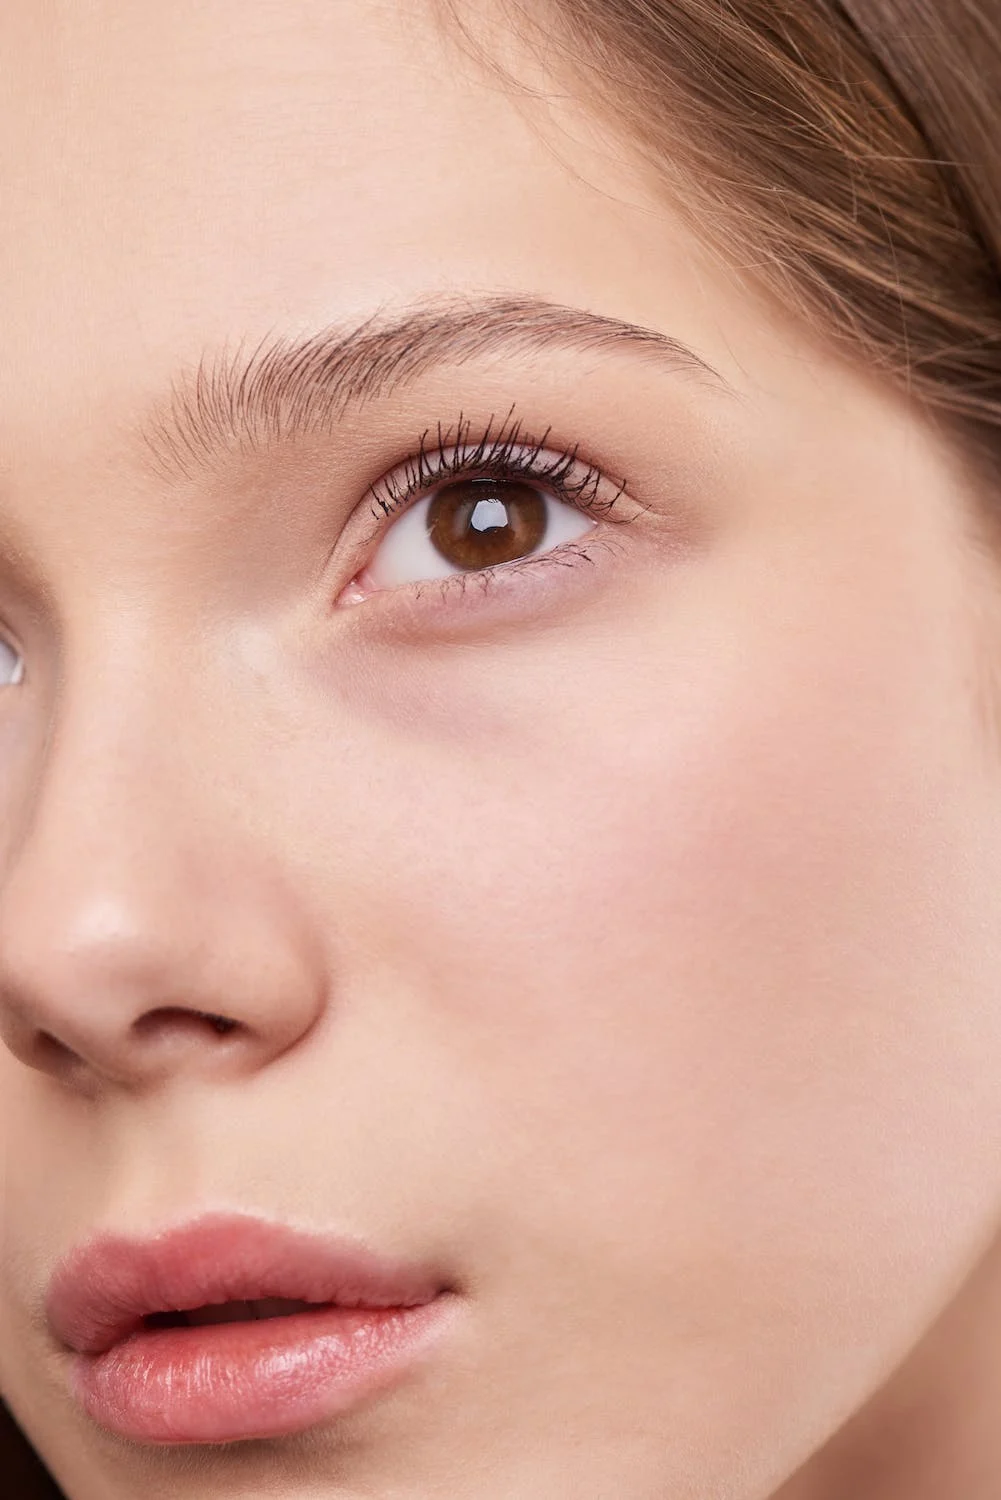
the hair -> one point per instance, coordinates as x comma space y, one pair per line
847, 151
852, 149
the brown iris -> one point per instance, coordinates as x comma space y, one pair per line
478, 523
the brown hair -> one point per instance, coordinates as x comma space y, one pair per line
854, 149
851, 149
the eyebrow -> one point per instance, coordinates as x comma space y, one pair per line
290, 386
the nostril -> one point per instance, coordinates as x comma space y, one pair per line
178, 1016
222, 1024
51, 1052
47, 1054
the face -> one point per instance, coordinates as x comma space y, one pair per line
457, 631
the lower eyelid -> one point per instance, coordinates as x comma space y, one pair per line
456, 602
541, 573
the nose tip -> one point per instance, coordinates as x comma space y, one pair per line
157, 983
144, 940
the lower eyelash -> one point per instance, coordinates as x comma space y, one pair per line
568, 555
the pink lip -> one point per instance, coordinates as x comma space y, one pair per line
231, 1381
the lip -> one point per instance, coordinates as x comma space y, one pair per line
226, 1382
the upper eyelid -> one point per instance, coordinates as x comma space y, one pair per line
424, 469
387, 510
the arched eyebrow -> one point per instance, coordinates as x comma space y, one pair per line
290, 386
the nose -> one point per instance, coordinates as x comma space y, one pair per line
149, 925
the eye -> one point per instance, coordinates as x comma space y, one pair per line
469, 525
11, 665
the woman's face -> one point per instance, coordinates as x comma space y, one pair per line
616, 928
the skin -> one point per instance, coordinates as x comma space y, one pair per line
624, 936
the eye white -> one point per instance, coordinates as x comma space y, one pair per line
408, 555
11, 666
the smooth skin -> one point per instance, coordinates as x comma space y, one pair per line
622, 934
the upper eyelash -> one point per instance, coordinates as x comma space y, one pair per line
503, 454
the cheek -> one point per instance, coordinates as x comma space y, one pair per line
703, 911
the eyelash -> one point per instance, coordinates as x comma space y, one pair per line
504, 454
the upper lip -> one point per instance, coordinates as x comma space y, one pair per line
101, 1291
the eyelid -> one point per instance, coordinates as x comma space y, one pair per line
504, 451
508, 453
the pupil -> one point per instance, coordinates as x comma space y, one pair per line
478, 523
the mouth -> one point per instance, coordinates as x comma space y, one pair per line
222, 1268
231, 1328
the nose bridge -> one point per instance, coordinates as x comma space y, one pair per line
109, 753
101, 833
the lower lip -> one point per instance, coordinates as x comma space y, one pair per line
227, 1382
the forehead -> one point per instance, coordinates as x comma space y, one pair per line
174, 175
